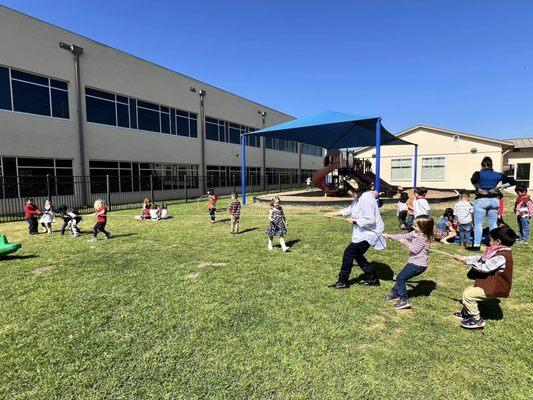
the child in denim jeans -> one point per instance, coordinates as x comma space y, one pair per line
418, 243
524, 210
463, 212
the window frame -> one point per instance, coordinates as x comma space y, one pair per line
401, 168
433, 167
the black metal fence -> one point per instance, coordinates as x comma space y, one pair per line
127, 192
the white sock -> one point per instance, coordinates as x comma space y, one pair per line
282, 242
270, 245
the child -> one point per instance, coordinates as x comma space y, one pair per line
145, 210
154, 212
278, 224
444, 230
524, 210
418, 243
367, 225
463, 212
235, 213
30, 212
402, 209
420, 204
212, 204
163, 211
101, 219
308, 183
492, 274
410, 213
48, 217
501, 206
71, 218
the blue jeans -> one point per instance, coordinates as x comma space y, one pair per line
464, 233
523, 225
409, 222
484, 207
409, 271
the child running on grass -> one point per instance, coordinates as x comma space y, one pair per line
418, 243
31, 211
71, 218
212, 199
524, 210
101, 219
235, 213
492, 275
278, 224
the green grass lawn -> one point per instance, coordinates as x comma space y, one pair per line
179, 309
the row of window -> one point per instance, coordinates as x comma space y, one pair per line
34, 94
138, 176
432, 169
228, 132
311, 150
226, 176
126, 112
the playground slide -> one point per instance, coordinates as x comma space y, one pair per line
319, 178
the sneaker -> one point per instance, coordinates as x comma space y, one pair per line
270, 247
473, 323
444, 241
391, 296
49, 231
76, 234
44, 230
402, 304
340, 285
460, 315
108, 235
474, 248
211, 222
369, 282
93, 239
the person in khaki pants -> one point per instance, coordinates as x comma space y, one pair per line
235, 213
492, 274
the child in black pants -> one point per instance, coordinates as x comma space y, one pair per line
101, 219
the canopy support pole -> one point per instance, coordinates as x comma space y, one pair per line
415, 166
378, 155
243, 168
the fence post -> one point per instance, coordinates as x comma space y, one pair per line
290, 180
48, 187
152, 188
108, 191
266, 183
279, 179
186, 193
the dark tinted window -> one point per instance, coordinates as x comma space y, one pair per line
234, 134
100, 111
60, 103
133, 113
183, 126
172, 121
64, 163
148, 119
99, 93
123, 117
58, 84
122, 99
211, 131
31, 98
165, 123
194, 128
145, 104
103, 164
41, 80
5, 92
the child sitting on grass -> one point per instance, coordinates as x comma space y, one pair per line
234, 210
492, 274
31, 211
163, 211
463, 212
402, 209
154, 213
101, 219
278, 224
418, 243
524, 210
444, 230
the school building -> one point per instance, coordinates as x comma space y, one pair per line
70, 106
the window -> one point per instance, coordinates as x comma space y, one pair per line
433, 168
281, 176
229, 132
523, 173
401, 169
281, 145
311, 150
26, 177
227, 176
134, 176
126, 112
33, 94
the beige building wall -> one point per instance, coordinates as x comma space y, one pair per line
31, 45
460, 158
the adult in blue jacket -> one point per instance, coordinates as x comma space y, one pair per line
486, 203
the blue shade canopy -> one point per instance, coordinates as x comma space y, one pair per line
331, 130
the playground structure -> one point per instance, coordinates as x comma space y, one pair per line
6, 247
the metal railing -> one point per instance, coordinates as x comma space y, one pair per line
128, 192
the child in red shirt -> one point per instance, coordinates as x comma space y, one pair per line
30, 212
101, 219
212, 204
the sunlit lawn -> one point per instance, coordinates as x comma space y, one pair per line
180, 309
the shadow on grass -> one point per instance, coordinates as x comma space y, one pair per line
385, 273
490, 309
291, 243
423, 288
247, 230
17, 257
122, 235
223, 220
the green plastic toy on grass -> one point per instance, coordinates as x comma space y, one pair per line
6, 247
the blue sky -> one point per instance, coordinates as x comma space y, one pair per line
461, 65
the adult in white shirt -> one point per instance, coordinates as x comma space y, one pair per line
367, 223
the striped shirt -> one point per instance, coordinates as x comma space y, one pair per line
235, 208
418, 245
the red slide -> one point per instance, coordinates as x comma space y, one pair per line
319, 179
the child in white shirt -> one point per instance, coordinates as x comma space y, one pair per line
420, 204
